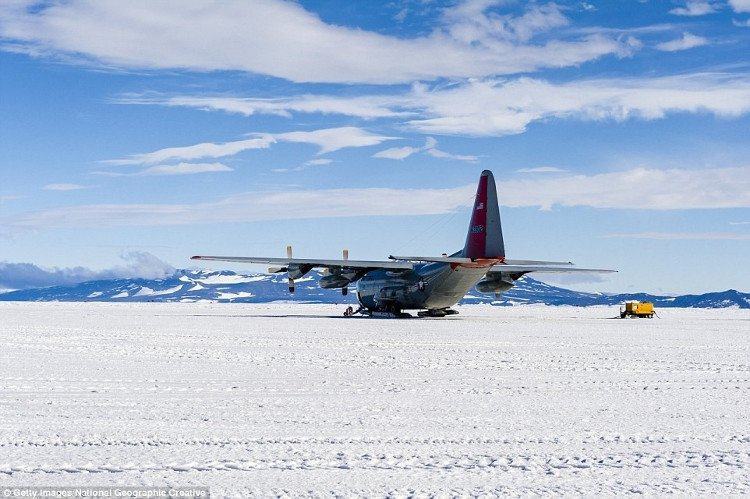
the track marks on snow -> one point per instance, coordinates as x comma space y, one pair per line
468, 462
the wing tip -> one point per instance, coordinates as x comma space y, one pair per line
196, 257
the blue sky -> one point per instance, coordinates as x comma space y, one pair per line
617, 132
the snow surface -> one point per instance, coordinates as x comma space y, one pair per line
144, 291
231, 296
271, 399
231, 279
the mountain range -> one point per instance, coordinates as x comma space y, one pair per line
227, 286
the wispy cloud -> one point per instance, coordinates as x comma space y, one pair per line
318, 162
541, 169
178, 169
304, 166
282, 39
495, 107
28, 275
333, 139
430, 148
397, 153
630, 30
640, 189
254, 206
197, 151
740, 6
498, 107
739, 223
186, 169
64, 187
695, 8
682, 236
366, 107
687, 41
327, 140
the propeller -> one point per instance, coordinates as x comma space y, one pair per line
291, 281
345, 289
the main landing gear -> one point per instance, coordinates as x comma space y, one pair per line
398, 314
438, 312
385, 314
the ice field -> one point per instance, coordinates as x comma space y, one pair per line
295, 400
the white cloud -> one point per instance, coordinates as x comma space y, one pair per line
682, 236
305, 165
178, 169
740, 5
197, 151
496, 107
282, 39
742, 24
499, 107
64, 187
333, 139
254, 206
470, 22
437, 153
367, 107
640, 189
588, 6
695, 8
542, 169
185, 169
739, 223
397, 153
687, 41
318, 162
9, 197
430, 147
27, 275
327, 140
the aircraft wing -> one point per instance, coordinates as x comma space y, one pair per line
461, 259
309, 262
544, 268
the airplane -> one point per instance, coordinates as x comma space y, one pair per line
429, 284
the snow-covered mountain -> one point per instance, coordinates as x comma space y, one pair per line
226, 286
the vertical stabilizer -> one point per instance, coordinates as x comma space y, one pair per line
485, 237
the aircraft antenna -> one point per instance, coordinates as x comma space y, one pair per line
431, 229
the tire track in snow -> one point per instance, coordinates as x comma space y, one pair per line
84, 441
375, 461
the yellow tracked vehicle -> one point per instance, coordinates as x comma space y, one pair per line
637, 309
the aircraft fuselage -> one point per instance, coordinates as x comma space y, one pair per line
431, 286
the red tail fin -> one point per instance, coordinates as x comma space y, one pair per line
485, 237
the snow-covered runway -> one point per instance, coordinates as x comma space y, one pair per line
275, 399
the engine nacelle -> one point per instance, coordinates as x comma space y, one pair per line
334, 281
298, 271
495, 284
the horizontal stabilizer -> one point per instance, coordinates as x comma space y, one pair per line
547, 269
535, 262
